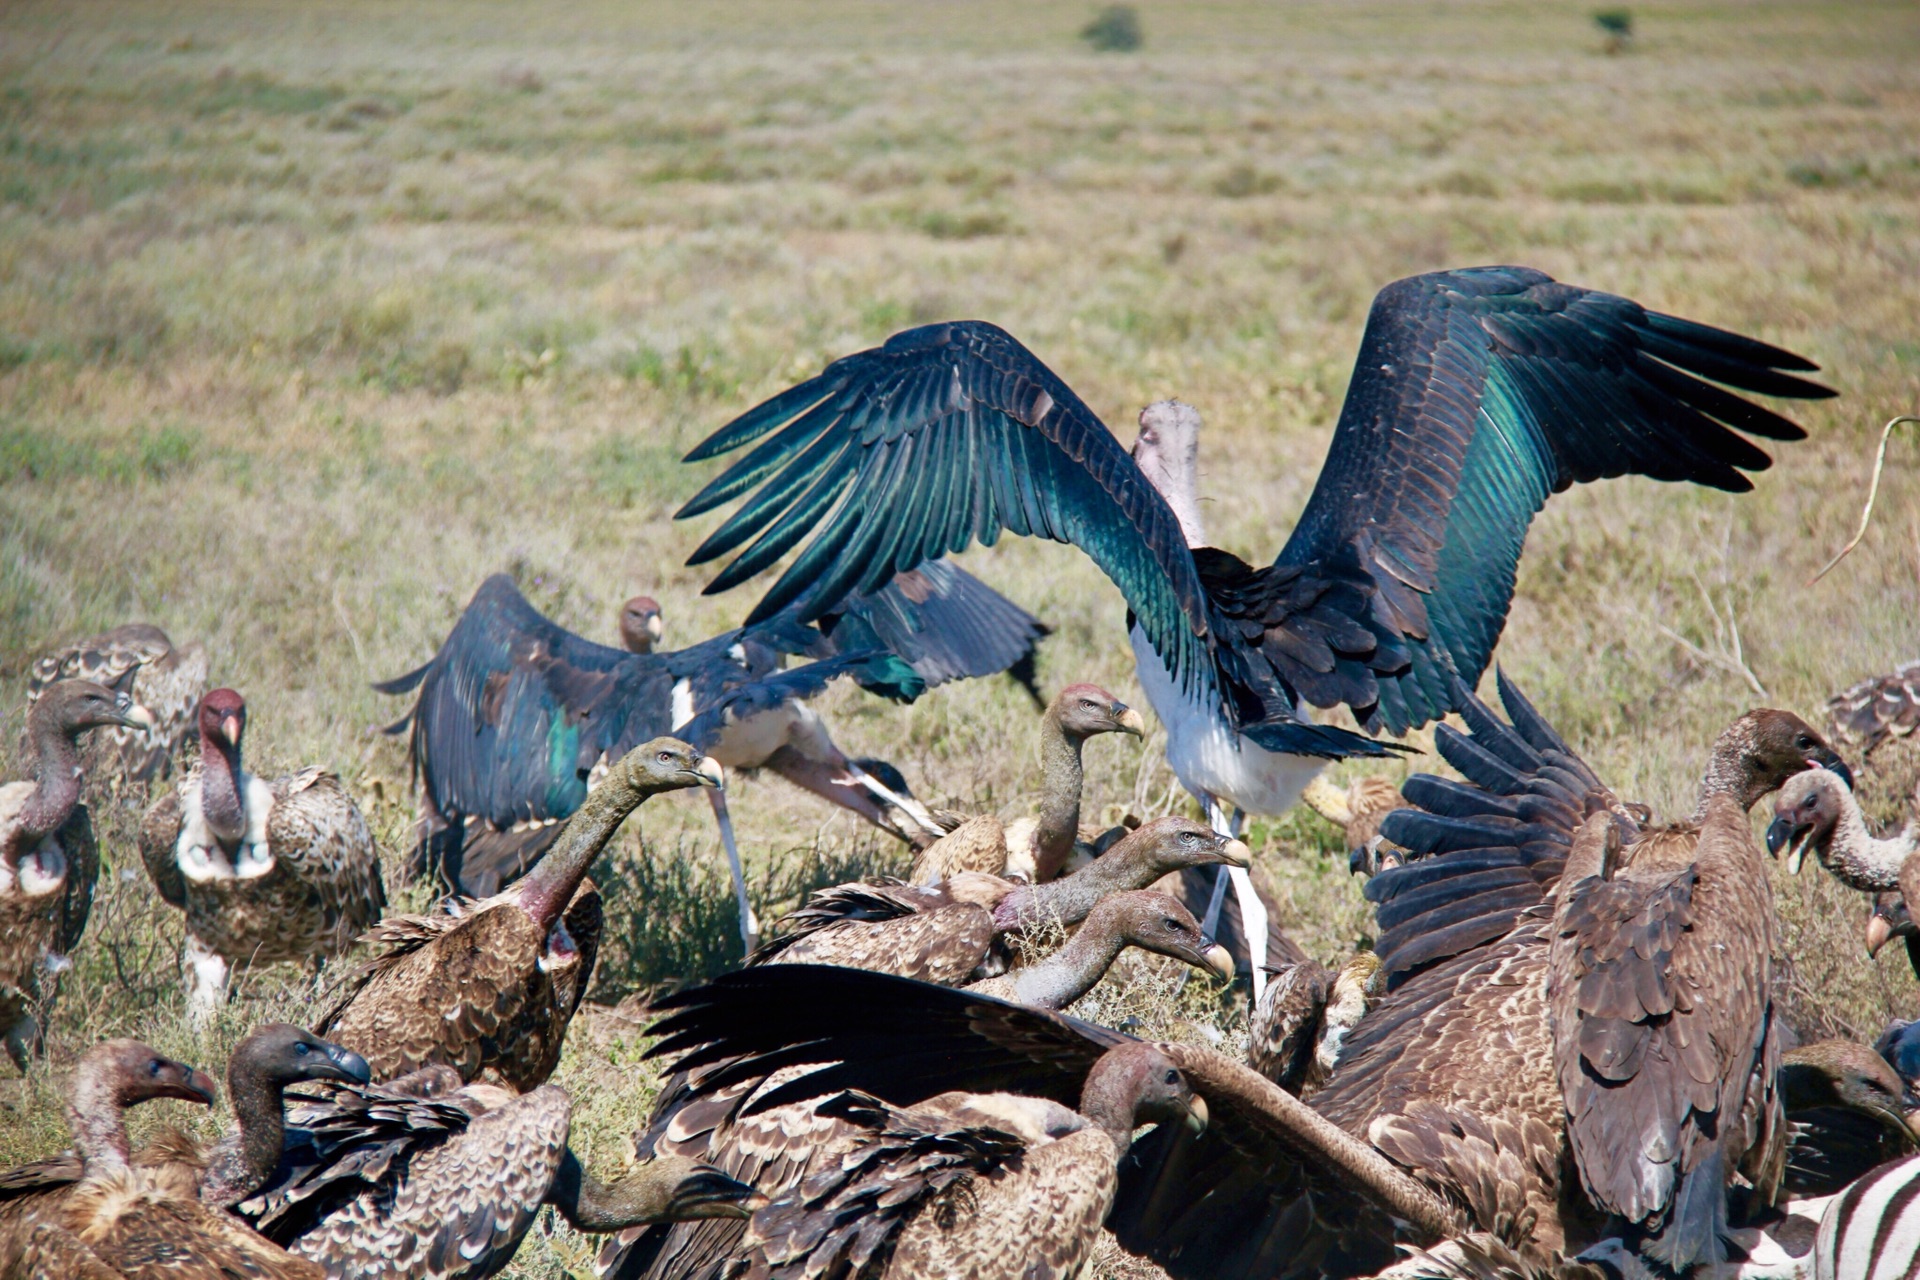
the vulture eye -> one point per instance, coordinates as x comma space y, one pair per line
666, 757
1088, 703
1809, 802
300, 1049
1173, 1077
1171, 923
153, 1068
1803, 742
1189, 839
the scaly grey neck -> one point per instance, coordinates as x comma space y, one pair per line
1173, 474
1062, 778
1730, 770
1107, 1099
1070, 899
1071, 972
99, 1124
242, 1162
1860, 861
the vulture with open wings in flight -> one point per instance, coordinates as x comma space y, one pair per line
1476, 395
515, 712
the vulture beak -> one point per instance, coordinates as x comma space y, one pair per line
230, 730
1237, 854
132, 714
352, 1066
655, 628
1839, 766
1220, 960
1779, 831
1879, 931
709, 1193
1129, 720
710, 773
197, 1087
1197, 1117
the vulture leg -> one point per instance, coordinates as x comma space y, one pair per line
904, 803
828, 773
207, 974
1253, 912
749, 927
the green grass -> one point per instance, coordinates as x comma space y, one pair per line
311, 316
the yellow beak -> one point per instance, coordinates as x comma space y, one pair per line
1132, 722
1197, 1117
1879, 929
1220, 960
711, 773
1237, 853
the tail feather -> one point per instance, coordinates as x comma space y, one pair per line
1695, 1230
405, 683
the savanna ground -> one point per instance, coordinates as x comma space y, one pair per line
312, 315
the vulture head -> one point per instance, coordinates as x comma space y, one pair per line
282, 1054
223, 720
675, 1189
71, 707
1899, 1044
120, 1073
1761, 750
1083, 710
1889, 920
29, 862
1805, 814
1174, 843
1136, 1084
1840, 1073
1157, 922
1167, 451
640, 627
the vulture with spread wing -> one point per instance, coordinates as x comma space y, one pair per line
515, 713
1476, 395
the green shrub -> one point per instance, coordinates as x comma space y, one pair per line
1115, 29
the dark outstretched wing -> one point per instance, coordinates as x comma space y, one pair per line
515, 710
945, 622
875, 669
947, 435
1481, 851
1477, 394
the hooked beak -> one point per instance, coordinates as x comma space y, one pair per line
352, 1066
1839, 766
1879, 931
1779, 831
1131, 721
198, 1087
1237, 854
230, 730
133, 715
1220, 960
1197, 1117
655, 628
710, 773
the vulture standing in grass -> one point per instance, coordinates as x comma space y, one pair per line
265, 870
1817, 811
954, 931
489, 989
141, 662
1443, 1112
428, 1179
1038, 848
125, 1216
515, 713
48, 862
1475, 396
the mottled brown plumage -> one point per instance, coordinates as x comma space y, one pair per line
489, 989
48, 862
140, 661
1666, 1043
980, 1185
946, 933
381, 1181
265, 871
1300, 1026
1877, 709
1358, 811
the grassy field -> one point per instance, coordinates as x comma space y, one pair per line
312, 315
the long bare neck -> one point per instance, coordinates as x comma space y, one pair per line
241, 1165
1071, 898
1107, 1100
1730, 770
546, 890
1860, 861
56, 790
1061, 780
1071, 972
99, 1126
1172, 473
221, 802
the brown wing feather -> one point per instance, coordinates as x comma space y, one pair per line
151, 1235
452, 996
319, 832
1286, 1026
83, 872
47, 1252
943, 945
1875, 710
456, 1209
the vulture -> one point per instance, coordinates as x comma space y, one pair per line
264, 870
515, 713
274, 1056
1037, 849
1303, 1019
1817, 811
1140, 918
947, 932
128, 1217
1847, 1109
1476, 395
987, 1185
490, 988
427, 1179
1358, 811
140, 661
1444, 1111
1876, 710
48, 861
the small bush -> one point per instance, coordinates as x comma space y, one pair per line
1617, 26
1115, 29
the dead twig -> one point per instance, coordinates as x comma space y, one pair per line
1873, 491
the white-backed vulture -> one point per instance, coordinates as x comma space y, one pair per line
140, 661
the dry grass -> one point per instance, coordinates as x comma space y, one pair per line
311, 315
